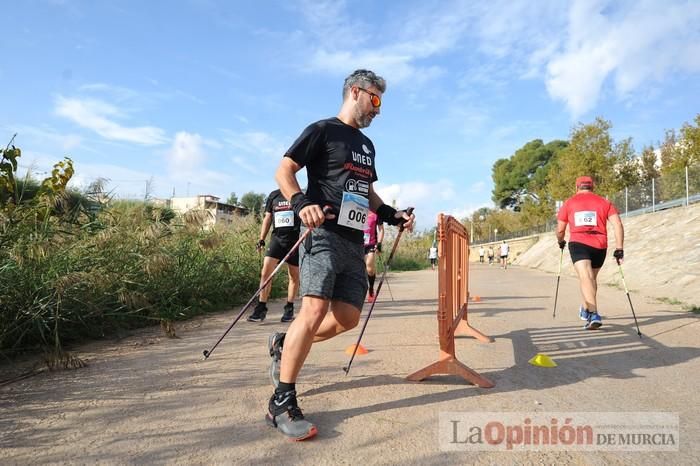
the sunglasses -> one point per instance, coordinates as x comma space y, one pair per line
373, 98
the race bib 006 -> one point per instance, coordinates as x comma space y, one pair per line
284, 218
353, 211
586, 218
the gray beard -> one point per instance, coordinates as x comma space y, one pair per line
362, 120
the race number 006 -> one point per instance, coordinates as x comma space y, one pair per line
357, 216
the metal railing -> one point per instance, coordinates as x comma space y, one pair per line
678, 189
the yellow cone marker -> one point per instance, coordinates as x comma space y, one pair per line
360, 349
542, 360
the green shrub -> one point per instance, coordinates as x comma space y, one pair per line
70, 271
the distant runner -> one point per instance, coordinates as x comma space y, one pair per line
285, 233
505, 250
433, 255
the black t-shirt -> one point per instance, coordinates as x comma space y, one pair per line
285, 225
338, 158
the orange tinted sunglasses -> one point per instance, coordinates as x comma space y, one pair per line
373, 98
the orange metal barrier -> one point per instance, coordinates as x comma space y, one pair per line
453, 297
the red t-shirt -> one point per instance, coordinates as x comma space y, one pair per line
587, 215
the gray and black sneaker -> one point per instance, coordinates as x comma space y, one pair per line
259, 313
274, 347
285, 415
288, 314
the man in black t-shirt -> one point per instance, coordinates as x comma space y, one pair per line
285, 232
340, 168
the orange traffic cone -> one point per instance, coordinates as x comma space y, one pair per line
360, 350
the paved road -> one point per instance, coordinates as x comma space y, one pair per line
148, 399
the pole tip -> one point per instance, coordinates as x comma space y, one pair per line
206, 354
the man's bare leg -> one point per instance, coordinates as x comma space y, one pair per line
269, 264
343, 317
300, 336
293, 286
587, 280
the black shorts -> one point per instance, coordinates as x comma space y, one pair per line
278, 249
370, 248
580, 251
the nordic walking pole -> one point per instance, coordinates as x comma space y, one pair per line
628, 296
207, 353
387, 282
556, 294
409, 211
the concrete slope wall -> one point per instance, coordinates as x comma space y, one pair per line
662, 255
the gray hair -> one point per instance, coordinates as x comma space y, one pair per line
363, 78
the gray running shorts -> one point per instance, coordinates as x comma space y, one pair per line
331, 267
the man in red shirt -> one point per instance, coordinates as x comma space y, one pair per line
587, 215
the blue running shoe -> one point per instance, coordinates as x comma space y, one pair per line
594, 321
583, 314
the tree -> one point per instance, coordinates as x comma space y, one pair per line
648, 162
519, 178
254, 202
232, 199
592, 152
677, 153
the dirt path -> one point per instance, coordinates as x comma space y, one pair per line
153, 400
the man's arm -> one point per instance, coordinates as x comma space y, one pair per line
310, 214
380, 233
619, 231
286, 177
264, 229
561, 230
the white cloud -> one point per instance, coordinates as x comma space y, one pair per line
428, 199
632, 44
99, 116
45, 136
116, 92
245, 164
466, 211
417, 36
256, 143
186, 155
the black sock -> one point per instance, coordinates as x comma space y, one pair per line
290, 304
284, 387
371, 283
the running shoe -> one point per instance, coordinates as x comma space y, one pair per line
594, 321
259, 313
288, 314
583, 314
274, 347
285, 415
371, 298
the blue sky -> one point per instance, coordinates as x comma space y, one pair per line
205, 96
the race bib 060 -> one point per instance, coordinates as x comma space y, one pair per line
586, 218
353, 211
284, 218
